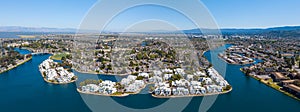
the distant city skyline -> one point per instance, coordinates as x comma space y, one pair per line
228, 14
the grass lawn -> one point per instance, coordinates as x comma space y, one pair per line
58, 56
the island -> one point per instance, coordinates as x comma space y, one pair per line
53, 72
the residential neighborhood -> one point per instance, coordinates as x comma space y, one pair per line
279, 66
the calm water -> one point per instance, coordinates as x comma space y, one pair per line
248, 94
16, 34
22, 51
23, 89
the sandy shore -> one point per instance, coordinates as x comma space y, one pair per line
27, 36
122, 95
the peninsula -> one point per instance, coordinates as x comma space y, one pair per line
152, 62
10, 59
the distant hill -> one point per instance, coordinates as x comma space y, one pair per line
39, 29
285, 28
286, 31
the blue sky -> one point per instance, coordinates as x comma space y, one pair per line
227, 13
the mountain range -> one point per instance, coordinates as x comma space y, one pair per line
285, 31
248, 31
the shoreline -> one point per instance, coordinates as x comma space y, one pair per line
184, 96
269, 85
24, 61
57, 82
90, 93
127, 94
122, 95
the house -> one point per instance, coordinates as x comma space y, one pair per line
107, 83
201, 74
168, 91
190, 77
203, 90
155, 79
180, 83
195, 83
277, 77
51, 74
222, 83
206, 80
175, 91
179, 71
90, 88
135, 86
157, 73
197, 90
208, 89
125, 81
167, 76
157, 91
294, 76
167, 70
293, 89
146, 75
131, 77
162, 84
139, 83
110, 90
163, 91
131, 88
186, 91
286, 82
264, 77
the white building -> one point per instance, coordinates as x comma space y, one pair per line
167, 76
157, 73
144, 74
155, 79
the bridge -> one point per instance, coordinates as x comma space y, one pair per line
40, 53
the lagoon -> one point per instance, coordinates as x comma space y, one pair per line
23, 89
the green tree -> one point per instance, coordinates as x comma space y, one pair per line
82, 83
151, 88
139, 78
226, 88
293, 61
137, 69
139, 56
131, 63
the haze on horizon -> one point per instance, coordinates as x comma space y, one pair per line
227, 14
